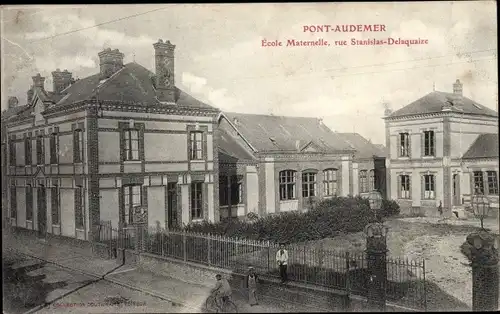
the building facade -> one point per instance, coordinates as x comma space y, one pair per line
428, 141
271, 164
120, 144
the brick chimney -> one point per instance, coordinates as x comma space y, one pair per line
38, 81
29, 95
458, 88
13, 101
165, 71
111, 61
61, 80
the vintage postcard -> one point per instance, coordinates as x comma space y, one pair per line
273, 157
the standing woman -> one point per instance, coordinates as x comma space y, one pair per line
252, 286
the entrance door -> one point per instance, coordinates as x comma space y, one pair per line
172, 205
456, 189
41, 210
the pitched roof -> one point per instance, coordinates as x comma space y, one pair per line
485, 146
434, 102
131, 84
271, 133
229, 147
364, 148
11, 112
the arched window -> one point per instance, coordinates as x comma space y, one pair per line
330, 182
309, 184
372, 180
287, 184
363, 181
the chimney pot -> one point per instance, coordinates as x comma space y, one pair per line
61, 80
165, 71
13, 101
30, 95
458, 88
111, 61
38, 81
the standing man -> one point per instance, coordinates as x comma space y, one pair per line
282, 260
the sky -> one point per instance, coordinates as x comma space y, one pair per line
219, 58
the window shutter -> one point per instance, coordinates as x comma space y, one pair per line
409, 186
76, 144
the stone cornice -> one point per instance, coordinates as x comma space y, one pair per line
157, 108
435, 115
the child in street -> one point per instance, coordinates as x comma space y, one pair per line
251, 284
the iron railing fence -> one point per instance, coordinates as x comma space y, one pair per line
310, 264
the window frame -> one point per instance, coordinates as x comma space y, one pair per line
371, 180
128, 140
29, 202
13, 202
363, 181
193, 145
492, 182
429, 143
309, 183
330, 181
404, 186
79, 208
28, 151
40, 150
78, 145
54, 148
429, 191
288, 185
12, 152
236, 185
478, 177
55, 198
196, 200
128, 206
404, 144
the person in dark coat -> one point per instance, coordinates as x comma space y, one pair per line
251, 284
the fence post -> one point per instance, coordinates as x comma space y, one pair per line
268, 257
209, 247
184, 251
304, 263
347, 298
376, 249
485, 284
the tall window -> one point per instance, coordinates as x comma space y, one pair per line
404, 144
196, 145
131, 148
429, 143
363, 181
78, 146
54, 148
132, 197
404, 187
12, 152
54, 197
13, 202
79, 220
236, 190
40, 155
29, 203
287, 185
330, 182
27, 151
223, 191
196, 200
371, 182
308, 184
478, 182
429, 187
492, 182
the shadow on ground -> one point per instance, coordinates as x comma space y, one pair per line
21, 290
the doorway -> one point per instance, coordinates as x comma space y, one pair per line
41, 210
456, 189
172, 205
